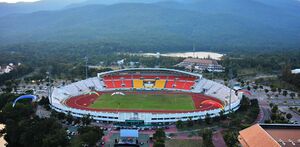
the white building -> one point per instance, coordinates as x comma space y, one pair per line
296, 71
7, 69
201, 65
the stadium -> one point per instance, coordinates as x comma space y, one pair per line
144, 96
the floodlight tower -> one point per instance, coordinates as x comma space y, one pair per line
230, 85
49, 86
157, 55
86, 59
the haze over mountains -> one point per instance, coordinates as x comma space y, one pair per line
244, 24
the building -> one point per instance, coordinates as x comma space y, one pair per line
296, 71
270, 135
201, 65
7, 69
2, 140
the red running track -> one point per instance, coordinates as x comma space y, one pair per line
83, 102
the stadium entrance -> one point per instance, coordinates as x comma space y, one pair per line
134, 122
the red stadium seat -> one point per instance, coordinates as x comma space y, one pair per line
188, 85
128, 83
179, 85
118, 84
169, 84
109, 84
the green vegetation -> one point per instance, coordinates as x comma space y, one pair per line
155, 27
293, 79
241, 119
277, 83
254, 64
231, 138
24, 129
145, 102
277, 116
159, 138
207, 137
88, 136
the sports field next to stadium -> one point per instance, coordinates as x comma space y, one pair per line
144, 102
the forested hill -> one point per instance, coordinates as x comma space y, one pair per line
209, 24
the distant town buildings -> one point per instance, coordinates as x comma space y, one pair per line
270, 135
201, 65
8, 68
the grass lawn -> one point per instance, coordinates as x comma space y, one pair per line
145, 102
183, 143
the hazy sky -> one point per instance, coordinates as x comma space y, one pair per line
14, 1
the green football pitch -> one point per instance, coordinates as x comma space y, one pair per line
144, 102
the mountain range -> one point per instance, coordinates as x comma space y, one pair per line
145, 24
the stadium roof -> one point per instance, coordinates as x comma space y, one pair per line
150, 69
129, 133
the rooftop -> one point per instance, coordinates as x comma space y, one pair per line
270, 135
200, 61
129, 133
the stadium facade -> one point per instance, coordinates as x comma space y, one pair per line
144, 79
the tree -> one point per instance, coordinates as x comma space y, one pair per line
69, 118
242, 83
274, 116
274, 109
207, 118
86, 119
266, 90
190, 122
248, 88
289, 116
271, 105
158, 144
261, 87
61, 115
248, 83
179, 124
199, 121
255, 87
292, 94
230, 138
222, 115
159, 136
89, 135
284, 93
44, 101
245, 103
279, 90
207, 137
35, 132
235, 122
19, 112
